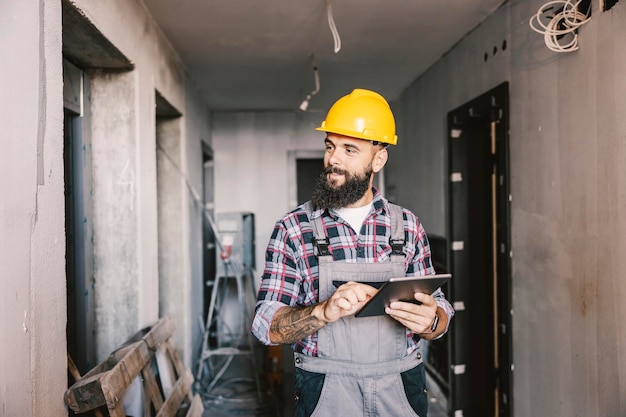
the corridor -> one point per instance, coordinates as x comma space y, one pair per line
146, 142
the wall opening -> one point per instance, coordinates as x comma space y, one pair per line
481, 373
85, 49
81, 343
209, 247
170, 190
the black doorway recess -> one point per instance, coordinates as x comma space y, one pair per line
307, 172
480, 257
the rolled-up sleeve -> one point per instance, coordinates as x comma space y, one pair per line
421, 264
280, 283
445, 305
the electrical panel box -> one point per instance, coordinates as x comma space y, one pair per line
236, 230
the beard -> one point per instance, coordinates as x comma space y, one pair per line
328, 195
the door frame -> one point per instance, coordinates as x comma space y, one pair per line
491, 108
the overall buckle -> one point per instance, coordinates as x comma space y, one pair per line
397, 246
322, 246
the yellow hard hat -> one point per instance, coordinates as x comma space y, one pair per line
362, 114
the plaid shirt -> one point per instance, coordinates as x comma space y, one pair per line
291, 276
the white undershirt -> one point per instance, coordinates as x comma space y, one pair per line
355, 216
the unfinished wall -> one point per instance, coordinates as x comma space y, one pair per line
251, 164
32, 248
33, 363
197, 133
568, 180
128, 293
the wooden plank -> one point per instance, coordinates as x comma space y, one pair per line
174, 357
160, 332
167, 374
106, 384
116, 381
174, 401
109, 362
85, 395
151, 387
117, 410
197, 408
107, 388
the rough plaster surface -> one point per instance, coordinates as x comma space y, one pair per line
251, 158
174, 284
567, 180
32, 251
115, 206
127, 245
196, 133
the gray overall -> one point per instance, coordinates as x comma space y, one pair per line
362, 368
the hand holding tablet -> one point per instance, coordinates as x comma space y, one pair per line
401, 289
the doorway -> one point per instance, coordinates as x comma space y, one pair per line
80, 331
307, 172
479, 257
304, 167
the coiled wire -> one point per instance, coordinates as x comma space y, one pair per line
558, 21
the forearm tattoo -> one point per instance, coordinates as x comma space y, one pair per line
293, 324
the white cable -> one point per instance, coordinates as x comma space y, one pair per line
305, 103
560, 32
331, 24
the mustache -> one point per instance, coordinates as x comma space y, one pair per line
334, 170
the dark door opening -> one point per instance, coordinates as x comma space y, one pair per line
80, 330
307, 171
479, 234
208, 235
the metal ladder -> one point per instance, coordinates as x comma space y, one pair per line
207, 378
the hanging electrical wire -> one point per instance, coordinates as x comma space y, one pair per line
558, 21
305, 103
333, 27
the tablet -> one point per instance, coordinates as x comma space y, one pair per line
401, 289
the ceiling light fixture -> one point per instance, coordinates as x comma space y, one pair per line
305, 104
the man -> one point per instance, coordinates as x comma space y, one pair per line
319, 261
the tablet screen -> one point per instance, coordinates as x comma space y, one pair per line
401, 289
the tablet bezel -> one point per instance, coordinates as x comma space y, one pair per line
401, 289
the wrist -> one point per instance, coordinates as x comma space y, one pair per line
433, 325
319, 312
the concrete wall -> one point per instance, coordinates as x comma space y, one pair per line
568, 180
252, 164
33, 371
196, 132
129, 293
32, 248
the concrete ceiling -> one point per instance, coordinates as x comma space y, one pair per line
256, 55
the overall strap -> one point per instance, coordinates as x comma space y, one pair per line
320, 241
396, 240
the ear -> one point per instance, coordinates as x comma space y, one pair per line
380, 159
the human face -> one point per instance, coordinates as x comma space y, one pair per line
351, 155
353, 190
349, 165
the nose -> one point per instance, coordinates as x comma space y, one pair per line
332, 157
